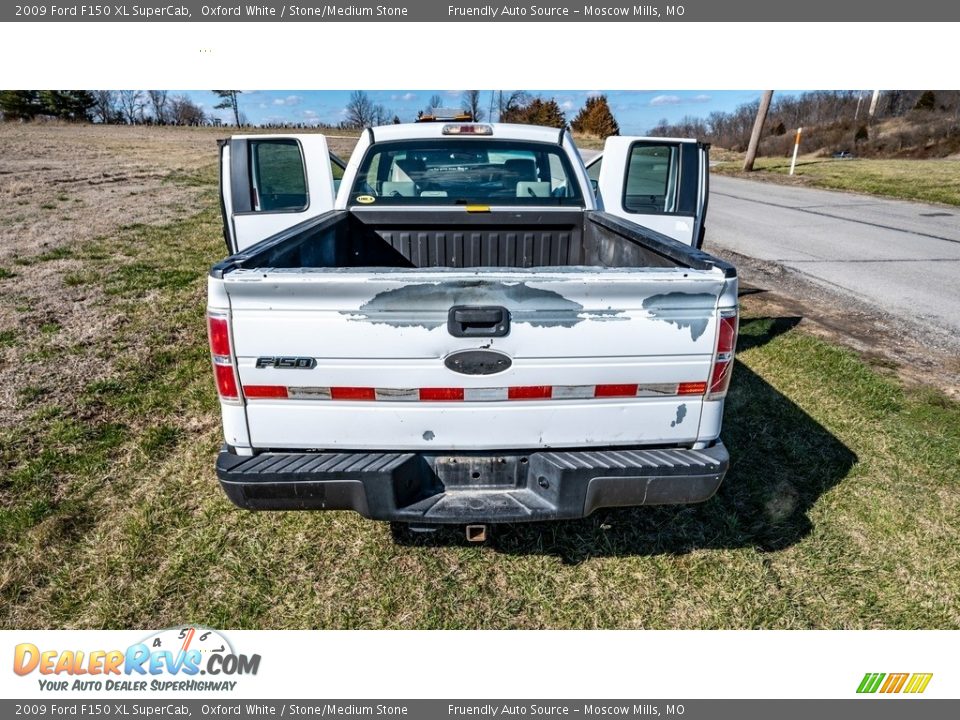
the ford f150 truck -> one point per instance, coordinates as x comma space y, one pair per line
461, 326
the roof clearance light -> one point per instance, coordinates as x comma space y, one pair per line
467, 129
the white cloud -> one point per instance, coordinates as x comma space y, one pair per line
594, 93
666, 100
406, 97
309, 113
288, 101
566, 105
700, 98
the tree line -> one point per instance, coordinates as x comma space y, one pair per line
508, 106
159, 107
846, 110
118, 107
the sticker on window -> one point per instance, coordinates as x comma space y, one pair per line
366, 199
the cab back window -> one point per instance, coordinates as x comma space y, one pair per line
452, 172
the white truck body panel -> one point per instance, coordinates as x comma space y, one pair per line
388, 331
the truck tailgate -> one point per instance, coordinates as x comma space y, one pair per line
348, 359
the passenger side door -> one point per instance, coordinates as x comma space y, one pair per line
269, 183
660, 183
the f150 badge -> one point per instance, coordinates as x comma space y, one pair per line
287, 363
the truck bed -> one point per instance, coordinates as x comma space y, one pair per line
515, 239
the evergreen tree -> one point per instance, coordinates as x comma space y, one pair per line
229, 101
596, 118
67, 104
536, 112
20, 104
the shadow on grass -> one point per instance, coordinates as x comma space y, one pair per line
781, 461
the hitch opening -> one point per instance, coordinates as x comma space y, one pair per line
476, 533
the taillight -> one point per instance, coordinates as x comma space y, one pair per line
723, 358
224, 372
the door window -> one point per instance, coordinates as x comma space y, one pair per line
652, 179
277, 176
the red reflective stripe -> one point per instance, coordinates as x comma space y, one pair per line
529, 392
219, 333
691, 388
265, 391
353, 393
441, 393
615, 390
226, 381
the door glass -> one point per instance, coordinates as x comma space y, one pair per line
593, 171
336, 169
652, 176
277, 176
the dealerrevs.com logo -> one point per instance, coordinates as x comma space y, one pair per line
172, 659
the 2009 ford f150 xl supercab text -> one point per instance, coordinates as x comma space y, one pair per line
466, 325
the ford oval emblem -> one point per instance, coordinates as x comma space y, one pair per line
477, 362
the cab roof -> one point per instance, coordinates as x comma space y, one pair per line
501, 131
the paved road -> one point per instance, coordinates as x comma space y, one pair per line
899, 257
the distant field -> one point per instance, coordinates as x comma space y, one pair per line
841, 508
934, 181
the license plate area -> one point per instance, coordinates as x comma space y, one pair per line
477, 472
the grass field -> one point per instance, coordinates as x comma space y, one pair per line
933, 181
841, 509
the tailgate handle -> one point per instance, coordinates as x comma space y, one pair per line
489, 321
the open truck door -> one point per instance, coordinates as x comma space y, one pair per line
660, 183
269, 183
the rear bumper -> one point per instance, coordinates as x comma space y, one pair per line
472, 488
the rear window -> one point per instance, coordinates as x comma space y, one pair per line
458, 172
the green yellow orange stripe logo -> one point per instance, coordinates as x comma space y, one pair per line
888, 683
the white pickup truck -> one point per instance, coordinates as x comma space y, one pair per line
466, 325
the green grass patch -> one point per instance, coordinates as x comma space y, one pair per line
79, 279
6, 274
60, 253
934, 181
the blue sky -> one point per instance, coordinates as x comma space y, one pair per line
636, 110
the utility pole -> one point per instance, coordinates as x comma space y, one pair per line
757, 130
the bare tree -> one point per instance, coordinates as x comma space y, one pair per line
381, 115
158, 102
471, 103
435, 102
510, 101
105, 106
360, 110
183, 111
132, 105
